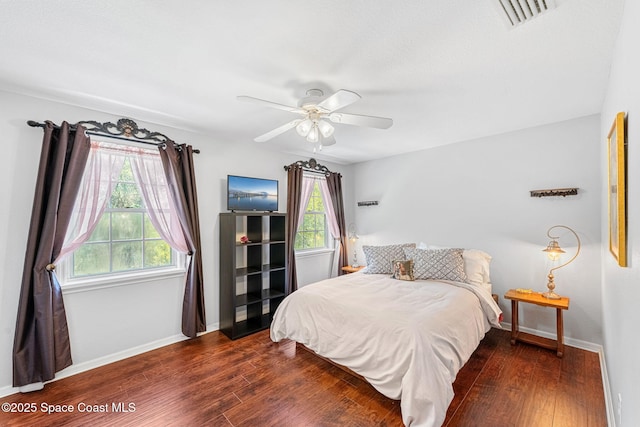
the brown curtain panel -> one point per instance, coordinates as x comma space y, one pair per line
41, 343
294, 190
181, 180
334, 182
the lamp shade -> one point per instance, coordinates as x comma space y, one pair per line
313, 135
304, 127
553, 250
325, 128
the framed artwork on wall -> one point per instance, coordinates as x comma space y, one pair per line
617, 190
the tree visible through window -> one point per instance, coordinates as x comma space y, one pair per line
124, 239
312, 234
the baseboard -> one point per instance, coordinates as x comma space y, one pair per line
7, 390
611, 417
105, 360
584, 345
588, 346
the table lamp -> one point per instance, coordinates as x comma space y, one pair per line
553, 251
353, 237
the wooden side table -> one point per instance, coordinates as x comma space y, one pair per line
351, 269
538, 299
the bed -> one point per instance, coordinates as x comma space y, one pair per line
407, 338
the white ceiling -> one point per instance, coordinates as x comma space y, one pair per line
444, 70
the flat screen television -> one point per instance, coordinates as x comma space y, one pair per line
251, 194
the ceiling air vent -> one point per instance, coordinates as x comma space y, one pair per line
520, 11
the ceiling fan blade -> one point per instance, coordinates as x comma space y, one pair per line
259, 101
277, 131
327, 141
359, 120
339, 100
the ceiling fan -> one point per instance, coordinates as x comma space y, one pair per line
316, 112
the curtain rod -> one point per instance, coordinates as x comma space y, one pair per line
124, 129
310, 166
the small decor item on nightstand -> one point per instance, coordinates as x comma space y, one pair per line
553, 251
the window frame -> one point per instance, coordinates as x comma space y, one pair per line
72, 284
327, 237
110, 280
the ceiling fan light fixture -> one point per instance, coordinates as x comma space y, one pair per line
304, 127
325, 129
313, 135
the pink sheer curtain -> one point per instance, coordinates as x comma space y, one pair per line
151, 178
101, 175
305, 193
308, 182
328, 207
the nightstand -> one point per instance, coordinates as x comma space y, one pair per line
350, 269
537, 299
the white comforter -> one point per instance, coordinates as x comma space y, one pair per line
408, 339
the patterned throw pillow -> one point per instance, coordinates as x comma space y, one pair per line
379, 257
403, 270
476, 265
437, 264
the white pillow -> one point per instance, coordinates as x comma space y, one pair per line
476, 265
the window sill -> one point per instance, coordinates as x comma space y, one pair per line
313, 252
93, 284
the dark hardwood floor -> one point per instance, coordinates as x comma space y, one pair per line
214, 381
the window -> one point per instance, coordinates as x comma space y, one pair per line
312, 233
124, 239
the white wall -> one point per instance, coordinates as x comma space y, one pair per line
475, 194
109, 323
621, 286
313, 267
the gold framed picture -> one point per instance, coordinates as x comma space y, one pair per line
617, 190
